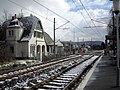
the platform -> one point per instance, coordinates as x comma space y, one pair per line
101, 77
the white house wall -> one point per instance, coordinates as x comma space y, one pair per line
37, 41
23, 49
17, 32
20, 48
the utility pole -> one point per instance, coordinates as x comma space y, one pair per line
54, 37
114, 52
54, 28
118, 51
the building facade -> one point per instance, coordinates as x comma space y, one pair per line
25, 37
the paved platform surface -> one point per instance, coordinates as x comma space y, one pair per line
103, 77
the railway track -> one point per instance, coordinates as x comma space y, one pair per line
67, 79
23, 70
10, 78
35, 76
24, 67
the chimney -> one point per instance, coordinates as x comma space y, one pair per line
15, 16
31, 15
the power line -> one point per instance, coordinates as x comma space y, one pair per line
50, 10
43, 16
85, 19
90, 17
99, 21
103, 18
62, 25
28, 10
58, 15
87, 22
94, 26
83, 16
78, 28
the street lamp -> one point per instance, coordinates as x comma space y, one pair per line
116, 10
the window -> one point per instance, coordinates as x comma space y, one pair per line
41, 35
32, 49
47, 48
38, 34
38, 27
11, 33
12, 49
35, 33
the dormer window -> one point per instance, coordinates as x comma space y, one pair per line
39, 26
38, 34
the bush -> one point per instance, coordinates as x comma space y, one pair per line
5, 54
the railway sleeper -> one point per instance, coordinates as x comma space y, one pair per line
75, 82
56, 76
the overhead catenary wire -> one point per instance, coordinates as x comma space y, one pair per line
99, 21
98, 33
103, 18
83, 16
31, 11
50, 10
28, 10
86, 20
90, 18
58, 15
45, 17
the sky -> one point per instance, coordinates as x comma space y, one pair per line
75, 16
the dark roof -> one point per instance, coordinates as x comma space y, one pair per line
48, 39
29, 24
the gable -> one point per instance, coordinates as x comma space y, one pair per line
59, 43
29, 24
48, 39
39, 26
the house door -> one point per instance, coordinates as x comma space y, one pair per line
38, 52
43, 49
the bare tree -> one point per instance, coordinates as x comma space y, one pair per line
5, 54
6, 15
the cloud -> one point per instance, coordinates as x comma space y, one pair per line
68, 10
96, 2
59, 6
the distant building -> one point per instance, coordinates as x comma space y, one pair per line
69, 47
25, 37
59, 48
